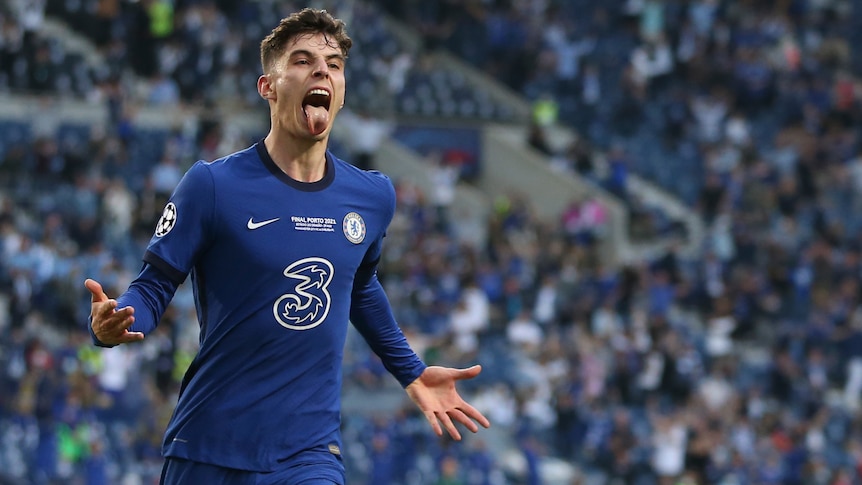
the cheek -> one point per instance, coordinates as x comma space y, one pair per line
340, 94
283, 88
287, 101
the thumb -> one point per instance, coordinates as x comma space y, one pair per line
469, 372
96, 289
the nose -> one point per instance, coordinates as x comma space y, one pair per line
321, 69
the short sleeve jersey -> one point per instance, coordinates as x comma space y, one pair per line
272, 264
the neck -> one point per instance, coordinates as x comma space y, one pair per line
301, 160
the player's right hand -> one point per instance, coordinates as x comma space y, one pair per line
110, 325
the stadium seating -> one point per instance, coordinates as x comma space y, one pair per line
751, 346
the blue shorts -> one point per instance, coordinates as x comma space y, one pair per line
178, 471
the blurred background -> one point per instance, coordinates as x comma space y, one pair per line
640, 216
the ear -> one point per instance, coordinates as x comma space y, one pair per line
265, 88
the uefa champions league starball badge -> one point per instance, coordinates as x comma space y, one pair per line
167, 221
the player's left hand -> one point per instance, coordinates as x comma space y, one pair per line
435, 394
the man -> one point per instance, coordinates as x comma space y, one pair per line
281, 241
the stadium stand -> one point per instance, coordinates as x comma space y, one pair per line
739, 362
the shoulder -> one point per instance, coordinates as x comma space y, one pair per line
372, 180
197, 176
223, 172
368, 185
205, 175
234, 160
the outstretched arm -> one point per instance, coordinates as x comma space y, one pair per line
431, 388
170, 256
133, 314
435, 394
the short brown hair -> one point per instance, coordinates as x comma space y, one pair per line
306, 21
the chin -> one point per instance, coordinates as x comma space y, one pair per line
321, 137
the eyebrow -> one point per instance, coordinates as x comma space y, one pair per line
303, 52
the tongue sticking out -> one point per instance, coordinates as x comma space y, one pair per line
317, 118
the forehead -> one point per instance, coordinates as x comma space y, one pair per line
316, 43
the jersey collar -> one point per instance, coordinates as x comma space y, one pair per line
321, 184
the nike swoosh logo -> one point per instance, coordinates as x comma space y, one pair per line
254, 225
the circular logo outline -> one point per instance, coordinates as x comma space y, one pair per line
353, 227
168, 220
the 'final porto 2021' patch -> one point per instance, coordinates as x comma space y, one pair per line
354, 228
167, 221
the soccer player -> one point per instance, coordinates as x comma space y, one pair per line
282, 241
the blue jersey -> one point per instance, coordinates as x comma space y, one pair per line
278, 269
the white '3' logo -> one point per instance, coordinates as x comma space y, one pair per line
309, 303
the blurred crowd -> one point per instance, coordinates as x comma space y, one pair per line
740, 364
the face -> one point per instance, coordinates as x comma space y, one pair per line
305, 87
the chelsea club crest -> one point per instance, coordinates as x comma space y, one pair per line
354, 228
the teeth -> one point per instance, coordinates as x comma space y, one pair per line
322, 92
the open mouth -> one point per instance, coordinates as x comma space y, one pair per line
317, 98
315, 105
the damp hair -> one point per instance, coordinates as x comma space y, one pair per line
305, 21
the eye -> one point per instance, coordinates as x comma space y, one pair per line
302, 61
334, 65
